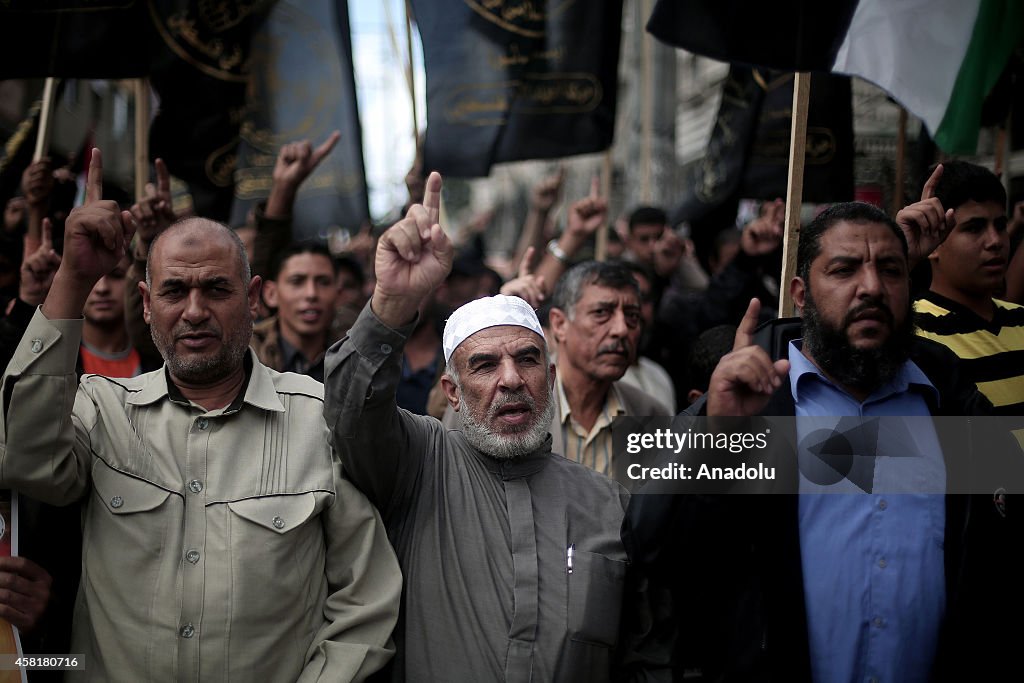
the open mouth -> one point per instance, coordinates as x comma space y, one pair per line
514, 413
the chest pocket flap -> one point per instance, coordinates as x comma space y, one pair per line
124, 494
279, 514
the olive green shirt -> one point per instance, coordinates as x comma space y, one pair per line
219, 545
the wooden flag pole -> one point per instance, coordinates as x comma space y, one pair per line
601, 239
45, 119
411, 75
794, 189
901, 154
141, 137
647, 104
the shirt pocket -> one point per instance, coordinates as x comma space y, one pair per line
123, 494
277, 514
595, 598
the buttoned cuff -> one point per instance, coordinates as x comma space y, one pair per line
49, 347
375, 341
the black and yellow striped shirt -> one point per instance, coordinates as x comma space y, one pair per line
992, 353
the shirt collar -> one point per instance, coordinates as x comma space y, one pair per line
290, 354
910, 376
613, 405
259, 392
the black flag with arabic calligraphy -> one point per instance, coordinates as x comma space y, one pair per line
517, 79
303, 87
748, 153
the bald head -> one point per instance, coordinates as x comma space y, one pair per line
194, 231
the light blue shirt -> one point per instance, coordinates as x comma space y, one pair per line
874, 580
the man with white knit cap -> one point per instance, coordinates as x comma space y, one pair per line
512, 558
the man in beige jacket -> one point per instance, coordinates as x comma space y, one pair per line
220, 542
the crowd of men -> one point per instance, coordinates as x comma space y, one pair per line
241, 456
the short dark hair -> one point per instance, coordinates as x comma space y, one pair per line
707, 351
851, 212
569, 287
296, 248
962, 182
350, 264
647, 215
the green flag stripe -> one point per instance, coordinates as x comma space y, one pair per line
997, 30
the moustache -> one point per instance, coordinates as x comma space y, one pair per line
618, 346
511, 398
877, 307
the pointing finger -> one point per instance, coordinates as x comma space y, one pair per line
928, 191
525, 264
745, 330
47, 241
94, 181
324, 149
163, 178
595, 187
432, 197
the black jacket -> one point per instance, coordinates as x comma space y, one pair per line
718, 581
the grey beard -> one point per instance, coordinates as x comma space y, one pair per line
502, 447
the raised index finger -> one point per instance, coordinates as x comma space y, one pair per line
745, 330
47, 241
928, 191
94, 181
432, 197
163, 179
325, 148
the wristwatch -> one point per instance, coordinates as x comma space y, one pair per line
558, 252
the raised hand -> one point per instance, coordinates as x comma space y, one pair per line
745, 378
587, 215
96, 236
38, 269
526, 284
413, 257
153, 213
295, 162
37, 182
545, 194
926, 223
764, 234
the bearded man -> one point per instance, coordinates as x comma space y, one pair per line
511, 554
826, 587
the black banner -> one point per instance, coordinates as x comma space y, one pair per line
516, 79
302, 87
791, 35
200, 72
74, 38
748, 154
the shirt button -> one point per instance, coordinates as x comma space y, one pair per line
116, 502
877, 621
278, 523
195, 486
882, 505
872, 680
202, 423
187, 631
37, 345
883, 563
192, 556
385, 348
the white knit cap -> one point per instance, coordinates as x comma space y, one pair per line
490, 311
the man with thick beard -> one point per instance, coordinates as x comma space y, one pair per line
821, 586
511, 554
219, 540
